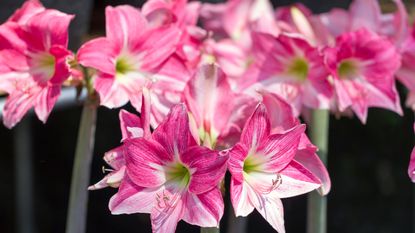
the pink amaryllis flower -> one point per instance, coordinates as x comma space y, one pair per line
264, 170
290, 67
128, 57
282, 119
131, 126
214, 108
363, 66
34, 50
171, 177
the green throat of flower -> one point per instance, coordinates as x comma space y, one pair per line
179, 173
299, 68
123, 66
347, 69
251, 164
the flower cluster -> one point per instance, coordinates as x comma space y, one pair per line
222, 95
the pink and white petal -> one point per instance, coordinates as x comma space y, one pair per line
240, 192
124, 26
310, 160
146, 112
50, 27
174, 133
45, 101
112, 95
145, 162
207, 168
165, 219
115, 157
130, 125
98, 54
279, 111
376, 98
296, 180
205, 209
257, 128
16, 106
272, 210
237, 156
156, 45
365, 14
14, 59
280, 149
131, 199
24, 13
113, 179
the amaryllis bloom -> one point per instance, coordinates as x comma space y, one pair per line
290, 67
129, 56
33, 47
214, 109
363, 66
367, 14
131, 126
264, 170
282, 119
171, 177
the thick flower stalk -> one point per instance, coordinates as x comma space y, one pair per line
171, 177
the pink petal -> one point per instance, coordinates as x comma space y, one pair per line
280, 149
17, 105
296, 180
145, 112
240, 193
130, 125
310, 160
205, 209
237, 156
257, 127
165, 219
365, 14
173, 133
131, 199
49, 27
124, 26
46, 99
145, 160
115, 157
29, 8
271, 209
99, 54
207, 168
411, 168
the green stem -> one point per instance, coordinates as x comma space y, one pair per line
317, 205
78, 200
209, 230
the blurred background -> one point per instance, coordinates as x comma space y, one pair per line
368, 163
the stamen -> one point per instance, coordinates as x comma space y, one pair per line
275, 183
105, 170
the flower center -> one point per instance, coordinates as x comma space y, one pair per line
178, 173
299, 68
43, 66
252, 164
347, 69
123, 65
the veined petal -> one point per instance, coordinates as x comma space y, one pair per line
99, 54
47, 28
296, 180
130, 125
167, 213
124, 26
205, 209
173, 133
272, 211
237, 156
280, 149
46, 99
28, 9
132, 198
310, 160
145, 160
240, 193
257, 128
206, 166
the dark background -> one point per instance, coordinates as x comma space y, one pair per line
368, 163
